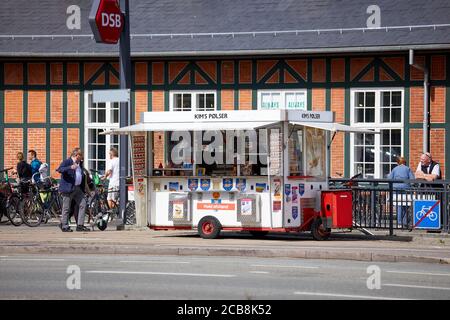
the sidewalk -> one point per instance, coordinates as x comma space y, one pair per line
48, 239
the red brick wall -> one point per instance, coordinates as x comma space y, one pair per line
158, 100
73, 106
337, 104
37, 106
338, 70
56, 147
158, 73
13, 73
73, 140
337, 156
141, 104
13, 144
227, 97
245, 99
13, 106
437, 104
36, 73
56, 106
37, 142
227, 72
141, 73
210, 68
318, 70
416, 104
73, 73
56, 73
318, 99
245, 72
437, 138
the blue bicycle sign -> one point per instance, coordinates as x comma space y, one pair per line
427, 214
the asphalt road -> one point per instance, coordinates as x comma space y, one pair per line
169, 278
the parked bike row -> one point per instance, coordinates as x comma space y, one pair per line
37, 201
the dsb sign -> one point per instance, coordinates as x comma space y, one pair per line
106, 21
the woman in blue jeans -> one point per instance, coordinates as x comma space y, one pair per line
401, 172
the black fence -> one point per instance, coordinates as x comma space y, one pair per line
389, 204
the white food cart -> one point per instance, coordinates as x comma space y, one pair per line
274, 182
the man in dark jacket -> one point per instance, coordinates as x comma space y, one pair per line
70, 187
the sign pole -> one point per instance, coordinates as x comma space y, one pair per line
125, 83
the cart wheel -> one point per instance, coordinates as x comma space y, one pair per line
258, 234
318, 232
209, 228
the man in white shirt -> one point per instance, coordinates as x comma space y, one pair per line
112, 172
427, 168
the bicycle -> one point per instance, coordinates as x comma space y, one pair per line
7, 208
49, 197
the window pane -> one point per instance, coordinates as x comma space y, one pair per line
187, 103
114, 139
359, 115
386, 169
177, 102
369, 154
265, 101
396, 137
395, 153
359, 168
92, 115
370, 99
101, 166
396, 98
370, 115
370, 139
101, 138
386, 154
359, 99
386, 137
386, 99
210, 103
396, 115
359, 154
386, 114
359, 139
92, 136
92, 152
370, 169
276, 100
101, 152
101, 116
201, 102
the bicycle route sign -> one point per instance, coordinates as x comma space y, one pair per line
427, 214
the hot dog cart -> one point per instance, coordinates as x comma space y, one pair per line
258, 171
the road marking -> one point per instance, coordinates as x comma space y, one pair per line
413, 286
261, 272
279, 266
29, 259
420, 273
165, 274
337, 295
149, 261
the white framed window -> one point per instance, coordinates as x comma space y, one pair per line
193, 101
282, 99
381, 109
98, 118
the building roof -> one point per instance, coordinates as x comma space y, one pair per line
231, 27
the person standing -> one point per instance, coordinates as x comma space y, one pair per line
401, 172
35, 164
23, 169
112, 172
70, 187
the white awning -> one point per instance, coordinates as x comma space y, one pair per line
334, 127
189, 126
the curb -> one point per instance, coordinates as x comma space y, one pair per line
205, 251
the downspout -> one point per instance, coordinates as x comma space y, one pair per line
426, 100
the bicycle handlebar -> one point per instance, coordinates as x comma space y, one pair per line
7, 169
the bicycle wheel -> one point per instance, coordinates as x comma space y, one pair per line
13, 211
32, 212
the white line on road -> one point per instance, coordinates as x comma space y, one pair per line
337, 295
165, 274
29, 259
420, 273
412, 286
260, 272
279, 266
161, 262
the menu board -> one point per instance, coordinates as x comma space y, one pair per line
275, 147
139, 155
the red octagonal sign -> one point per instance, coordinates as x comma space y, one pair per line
106, 21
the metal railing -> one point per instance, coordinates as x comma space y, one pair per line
389, 204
